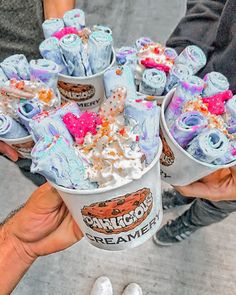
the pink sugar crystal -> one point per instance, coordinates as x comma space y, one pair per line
215, 103
65, 31
80, 126
151, 63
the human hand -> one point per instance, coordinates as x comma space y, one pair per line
43, 226
8, 151
218, 186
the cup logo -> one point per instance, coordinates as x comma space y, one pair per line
167, 157
120, 214
76, 92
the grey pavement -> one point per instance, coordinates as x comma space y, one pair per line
203, 265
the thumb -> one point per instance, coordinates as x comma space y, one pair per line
196, 189
45, 199
9, 151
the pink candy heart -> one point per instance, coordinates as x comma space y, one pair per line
80, 126
215, 103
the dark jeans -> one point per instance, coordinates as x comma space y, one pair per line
24, 166
203, 212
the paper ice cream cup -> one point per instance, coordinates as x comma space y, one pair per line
178, 167
120, 217
22, 145
88, 92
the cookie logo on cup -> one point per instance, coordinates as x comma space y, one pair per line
76, 92
167, 157
120, 214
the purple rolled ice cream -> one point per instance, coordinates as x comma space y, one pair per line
187, 126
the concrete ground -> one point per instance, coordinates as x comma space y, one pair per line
202, 265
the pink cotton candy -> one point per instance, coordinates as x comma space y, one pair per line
215, 103
80, 126
150, 63
65, 31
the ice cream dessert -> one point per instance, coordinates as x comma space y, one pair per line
27, 90
120, 77
201, 123
109, 147
78, 51
148, 58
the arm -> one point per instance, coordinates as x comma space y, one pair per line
218, 186
14, 262
199, 25
43, 226
57, 8
7, 150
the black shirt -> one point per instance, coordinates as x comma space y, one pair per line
210, 24
20, 27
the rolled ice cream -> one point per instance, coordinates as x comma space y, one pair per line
74, 18
102, 28
16, 67
50, 49
193, 57
45, 71
187, 90
100, 51
117, 77
209, 145
10, 128
153, 82
26, 111
52, 25
215, 83
74, 56
178, 73
146, 114
188, 126
55, 158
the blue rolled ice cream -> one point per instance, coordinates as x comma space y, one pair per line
193, 57
74, 56
56, 159
51, 26
26, 111
75, 18
215, 83
117, 77
153, 82
100, 51
45, 71
16, 67
50, 49
187, 126
10, 128
208, 146
146, 114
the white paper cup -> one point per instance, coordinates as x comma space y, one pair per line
88, 92
177, 166
121, 217
22, 145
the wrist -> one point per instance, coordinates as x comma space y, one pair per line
13, 261
15, 247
